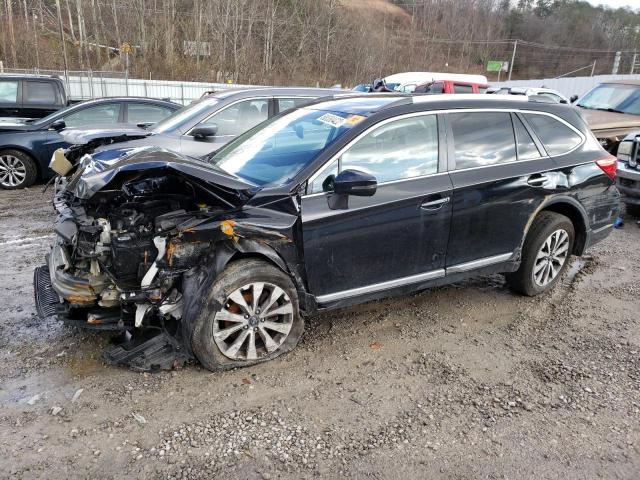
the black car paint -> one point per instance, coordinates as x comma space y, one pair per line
40, 140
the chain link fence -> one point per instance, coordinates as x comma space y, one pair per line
90, 84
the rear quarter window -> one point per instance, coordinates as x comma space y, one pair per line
556, 137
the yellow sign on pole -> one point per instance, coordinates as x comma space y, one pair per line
126, 48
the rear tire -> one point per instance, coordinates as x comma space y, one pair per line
545, 255
632, 209
232, 330
17, 170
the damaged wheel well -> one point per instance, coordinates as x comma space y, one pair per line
577, 219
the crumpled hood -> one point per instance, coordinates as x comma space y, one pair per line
83, 136
95, 171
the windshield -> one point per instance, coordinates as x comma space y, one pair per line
614, 98
276, 150
182, 116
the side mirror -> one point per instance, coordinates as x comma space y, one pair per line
573, 98
144, 125
355, 182
58, 125
349, 182
202, 132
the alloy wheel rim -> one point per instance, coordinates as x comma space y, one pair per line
551, 257
12, 171
254, 321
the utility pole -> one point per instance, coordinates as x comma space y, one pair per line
633, 63
64, 47
593, 68
513, 58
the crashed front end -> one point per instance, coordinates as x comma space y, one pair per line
132, 232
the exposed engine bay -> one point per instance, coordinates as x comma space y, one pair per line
132, 237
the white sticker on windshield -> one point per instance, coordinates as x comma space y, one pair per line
331, 119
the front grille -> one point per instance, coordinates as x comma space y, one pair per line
47, 299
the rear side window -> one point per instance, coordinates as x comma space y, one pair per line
145, 112
457, 88
556, 137
99, 114
287, 103
40, 92
526, 146
482, 139
8, 91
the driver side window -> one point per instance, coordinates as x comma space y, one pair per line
401, 149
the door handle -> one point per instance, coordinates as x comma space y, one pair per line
537, 181
434, 204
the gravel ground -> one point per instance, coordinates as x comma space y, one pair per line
464, 381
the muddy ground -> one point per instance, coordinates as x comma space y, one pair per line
464, 381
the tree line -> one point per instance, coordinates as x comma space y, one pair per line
309, 42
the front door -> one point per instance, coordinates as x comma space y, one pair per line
397, 236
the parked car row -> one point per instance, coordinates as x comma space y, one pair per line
330, 202
26, 145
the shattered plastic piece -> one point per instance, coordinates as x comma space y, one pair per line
146, 353
55, 410
76, 395
139, 418
33, 400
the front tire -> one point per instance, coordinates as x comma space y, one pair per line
17, 170
250, 316
545, 255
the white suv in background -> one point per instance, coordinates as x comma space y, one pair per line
554, 95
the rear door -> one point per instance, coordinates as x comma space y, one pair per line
497, 170
231, 120
397, 236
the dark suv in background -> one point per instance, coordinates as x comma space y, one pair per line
31, 96
327, 205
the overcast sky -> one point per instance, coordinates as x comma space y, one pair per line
616, 3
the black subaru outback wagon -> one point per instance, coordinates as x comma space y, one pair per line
339, 202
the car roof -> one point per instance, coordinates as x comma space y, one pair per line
369, 103
248, 92
622, 82
15, 76
129, 99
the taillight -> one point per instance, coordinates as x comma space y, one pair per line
609, 166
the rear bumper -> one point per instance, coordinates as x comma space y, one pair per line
628, 183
